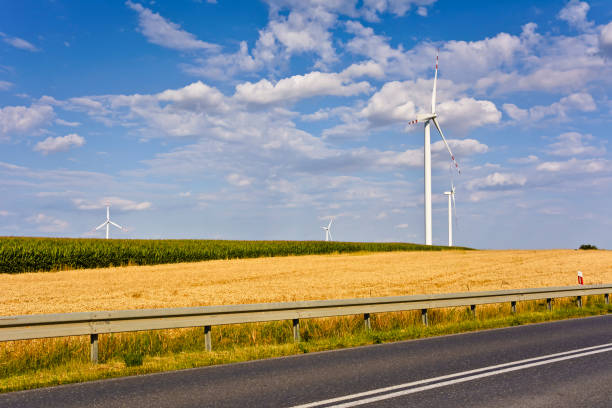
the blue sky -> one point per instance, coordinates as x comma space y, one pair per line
260, 120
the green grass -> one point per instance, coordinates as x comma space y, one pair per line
23, 254
45, 362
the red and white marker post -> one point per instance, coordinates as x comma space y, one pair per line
580, 280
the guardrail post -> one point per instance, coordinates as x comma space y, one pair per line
473, 310
513, 306
607, 298
296, 330
207, 341
93, 348
366, 321
424, 317
579, 301
549, 304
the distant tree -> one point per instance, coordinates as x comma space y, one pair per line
587, 246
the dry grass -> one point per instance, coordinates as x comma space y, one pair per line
296, 278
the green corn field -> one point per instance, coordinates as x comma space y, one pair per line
23, 254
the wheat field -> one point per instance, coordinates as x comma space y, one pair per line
293, 278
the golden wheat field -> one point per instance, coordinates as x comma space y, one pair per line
296, 278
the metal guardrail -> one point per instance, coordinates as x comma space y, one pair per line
95, 323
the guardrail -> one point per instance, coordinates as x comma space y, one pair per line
95, 323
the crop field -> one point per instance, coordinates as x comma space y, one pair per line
293, 278
21, 254
33, 363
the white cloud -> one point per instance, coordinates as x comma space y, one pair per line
5, 85
47, 223
238, 180
605, 40
574, 13
497, 181
22, 119
576, 102
399, 102
67, 123
371, 8
18, 43
298, 87
573, 144
60, 143
162, 32
525, 160
114, 202
402, 226
195, 96
574, 166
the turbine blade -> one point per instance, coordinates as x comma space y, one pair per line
330, 223
433, 94
101, 225
435, 121
116, 225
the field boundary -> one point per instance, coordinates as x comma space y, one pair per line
102, 322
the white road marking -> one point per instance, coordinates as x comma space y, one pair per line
451, 378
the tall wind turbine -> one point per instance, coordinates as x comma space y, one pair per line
451, 197
328, 236
108, 222
427, 118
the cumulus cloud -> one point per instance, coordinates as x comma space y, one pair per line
195, 96
605, 40
48, 223
114, 202
399, 102
298, 87
162, 32
18, 43
561, 110
59, 144
574, 166
575, 14
498, 181
22, 119
238, 180
573, 144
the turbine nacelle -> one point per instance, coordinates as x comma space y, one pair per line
423, 117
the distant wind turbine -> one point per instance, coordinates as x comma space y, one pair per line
427, 118
328, 236
108, 222
451, 197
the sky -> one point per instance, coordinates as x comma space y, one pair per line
263, 119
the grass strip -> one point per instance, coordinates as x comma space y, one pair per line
47, 362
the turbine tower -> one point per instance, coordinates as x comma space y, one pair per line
451, 197
428, 118
108, 222
328, 236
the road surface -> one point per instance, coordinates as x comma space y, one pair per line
558, 364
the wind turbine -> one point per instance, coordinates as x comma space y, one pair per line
108, 222
328, 236
451, 197
427, 118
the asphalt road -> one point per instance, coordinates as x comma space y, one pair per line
566, 363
